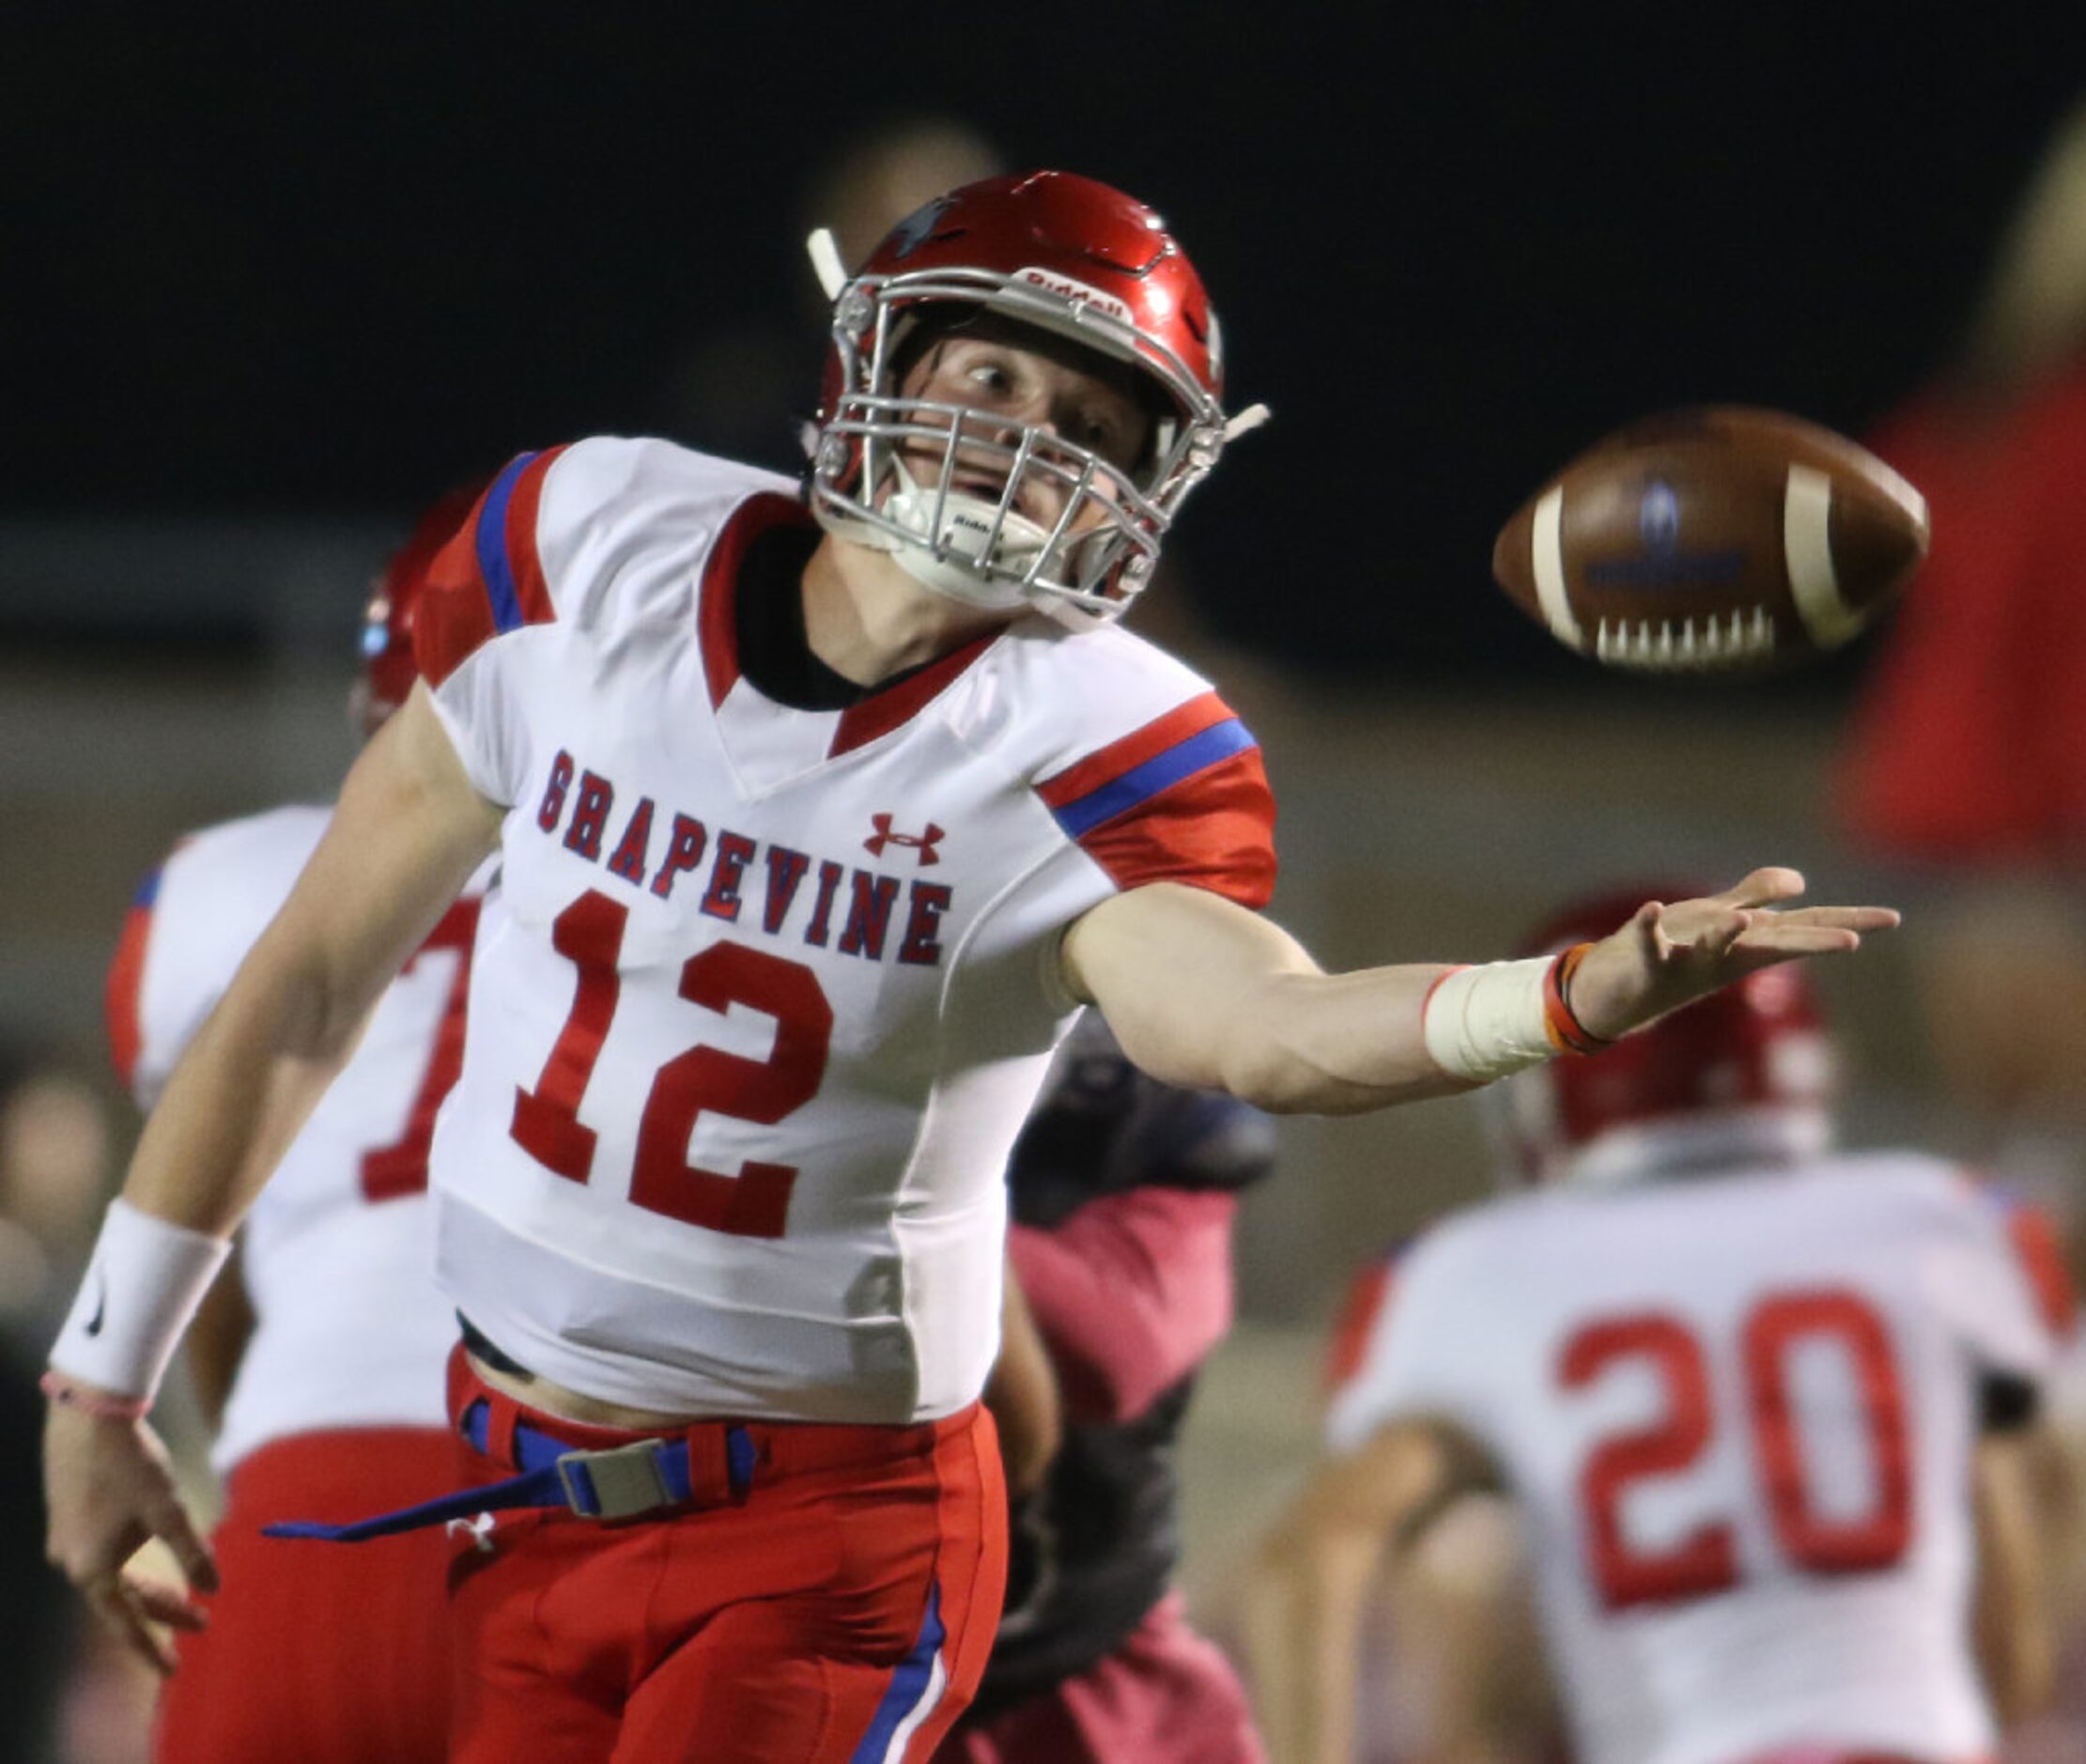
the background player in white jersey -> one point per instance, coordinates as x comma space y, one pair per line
1762, 1408
319, 1353
815, 828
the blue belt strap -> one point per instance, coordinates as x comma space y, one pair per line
619, 1483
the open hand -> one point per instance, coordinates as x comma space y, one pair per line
1671, 954
109, 1486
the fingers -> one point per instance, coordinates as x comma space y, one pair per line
125, 1608
170, 1523
1846, 918
167, 1604
1763, 887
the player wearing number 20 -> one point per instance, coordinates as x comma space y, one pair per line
1762, 1409
320, 1354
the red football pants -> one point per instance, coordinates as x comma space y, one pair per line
1166, 1697
325, 1654
842, 1612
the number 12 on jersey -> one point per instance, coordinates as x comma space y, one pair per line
546, 1124
1705, 1560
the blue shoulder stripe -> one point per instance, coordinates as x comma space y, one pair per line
1201, 750
493, 562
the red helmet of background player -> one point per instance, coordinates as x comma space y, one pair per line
1070, 257
1746, 1073
388, 667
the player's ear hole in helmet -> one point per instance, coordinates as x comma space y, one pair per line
1069, 262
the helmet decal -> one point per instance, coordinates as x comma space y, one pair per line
916, 228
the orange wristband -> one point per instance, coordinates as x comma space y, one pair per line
1566, 1033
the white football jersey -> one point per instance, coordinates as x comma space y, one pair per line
337, 1252
768, 992
1738, 1414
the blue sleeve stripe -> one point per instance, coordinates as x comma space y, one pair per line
148, 890
493, 563
1201, 750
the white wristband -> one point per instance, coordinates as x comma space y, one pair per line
1482, 1023
143, 1284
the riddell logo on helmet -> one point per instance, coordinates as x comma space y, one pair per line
1072, 290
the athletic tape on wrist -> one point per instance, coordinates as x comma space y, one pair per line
142, 1286
1481, 1023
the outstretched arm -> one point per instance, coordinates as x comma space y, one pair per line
1202, 991
408, 832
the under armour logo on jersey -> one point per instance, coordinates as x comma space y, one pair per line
923, 843
478, 1529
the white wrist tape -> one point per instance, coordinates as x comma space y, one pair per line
1481, 1023
142, 1286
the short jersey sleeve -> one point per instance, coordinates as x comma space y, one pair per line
1184, 799
486, 584
2004, 1285
187, 929
1397, 1349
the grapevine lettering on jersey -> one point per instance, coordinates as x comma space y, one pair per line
766, 989
863, 902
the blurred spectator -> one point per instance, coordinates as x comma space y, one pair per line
1967, 755
55, 1168
723, 392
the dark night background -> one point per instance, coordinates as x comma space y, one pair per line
304, 262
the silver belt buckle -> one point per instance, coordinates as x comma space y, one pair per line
627, 1481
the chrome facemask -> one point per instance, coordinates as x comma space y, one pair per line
1099, 552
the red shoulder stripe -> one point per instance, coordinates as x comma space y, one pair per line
1105, 764
1366, 1296
489, 578
2042, 1258
121, 991
1213, 829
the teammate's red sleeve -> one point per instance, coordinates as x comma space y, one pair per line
1184, 799
121, 991
1130, 1293
2040, 1252
1367, 1296
488, 578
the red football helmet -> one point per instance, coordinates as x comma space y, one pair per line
1746, 1071
388, 667
1074, 257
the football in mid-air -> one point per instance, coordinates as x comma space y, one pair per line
1722, 540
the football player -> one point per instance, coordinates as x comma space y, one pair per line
817, 818
319, 1352
1764, 1409
1122, 1192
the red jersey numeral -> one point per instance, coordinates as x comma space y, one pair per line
755, 1202
1705, 1561
1700, 1564
1869, 1541
589, 935
401, 1167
